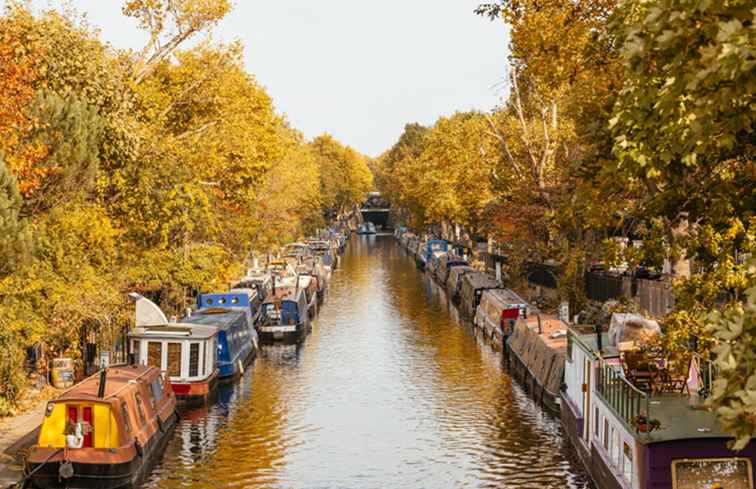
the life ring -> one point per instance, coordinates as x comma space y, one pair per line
138, 448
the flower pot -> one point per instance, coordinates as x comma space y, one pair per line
644, 428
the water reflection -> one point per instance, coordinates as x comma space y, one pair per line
389, 390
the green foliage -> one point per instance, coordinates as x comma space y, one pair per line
14, 237
71, 131
734, 392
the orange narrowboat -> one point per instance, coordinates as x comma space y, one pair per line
105, 432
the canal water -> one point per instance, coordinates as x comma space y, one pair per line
390, 390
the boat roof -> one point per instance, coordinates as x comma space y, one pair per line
222, 317
479, 280
506, 297
175, 331
116, 379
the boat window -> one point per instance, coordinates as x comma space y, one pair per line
156, 387
174, 360
234, 300
222, 300
151, 396
140, 408
606, 435
209, 301
615, 449
193, 359
730, 473
202, 359
155, 354
596, 423
135, 349
627, 463
125, 416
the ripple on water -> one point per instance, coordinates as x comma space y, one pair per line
390, 390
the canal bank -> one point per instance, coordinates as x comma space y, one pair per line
389, 390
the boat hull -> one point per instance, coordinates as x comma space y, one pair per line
282, 334
191, 392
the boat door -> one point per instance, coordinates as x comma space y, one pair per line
586, 398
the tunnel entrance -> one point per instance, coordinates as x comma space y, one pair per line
377, 210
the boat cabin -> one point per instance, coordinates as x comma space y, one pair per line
638, 420
471, 291
106, 431
498, 312
185, 352
285, 315
446, 263
454, 282
237, 338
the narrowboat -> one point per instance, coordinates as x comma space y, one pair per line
641, 422
427, 250
237, 338
185, 352
325, 251
257, 279
319, 278
446, 263
473, 285
535, 352
454, 282
105, 432
296, 250
285, 315
366, 228
497, 313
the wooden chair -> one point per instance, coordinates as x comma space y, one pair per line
639, 370
674, 377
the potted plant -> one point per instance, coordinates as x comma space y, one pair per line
644, 424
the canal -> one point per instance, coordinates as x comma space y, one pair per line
389, 390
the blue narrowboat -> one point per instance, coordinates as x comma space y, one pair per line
431, 247
285, 315
230, 312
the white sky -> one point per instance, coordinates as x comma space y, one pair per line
359, 69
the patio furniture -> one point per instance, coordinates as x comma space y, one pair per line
639, 370
673, 378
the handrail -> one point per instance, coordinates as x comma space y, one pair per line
626, 400
707, 373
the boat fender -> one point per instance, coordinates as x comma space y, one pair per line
66, 470
138, 448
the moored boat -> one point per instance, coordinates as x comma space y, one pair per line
237, 338
639, 421
285, 315
366, 228
471, 290
185, 352
105, 432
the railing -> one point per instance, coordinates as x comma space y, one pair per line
626, 400
707, 374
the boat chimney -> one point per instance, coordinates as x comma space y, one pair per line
103, 379
598, 330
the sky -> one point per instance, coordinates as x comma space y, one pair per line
357, 69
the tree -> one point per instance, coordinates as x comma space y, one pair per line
15, 242
345, 177
170, 23
734, 392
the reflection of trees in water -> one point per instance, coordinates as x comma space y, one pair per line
485, 415
237, 441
